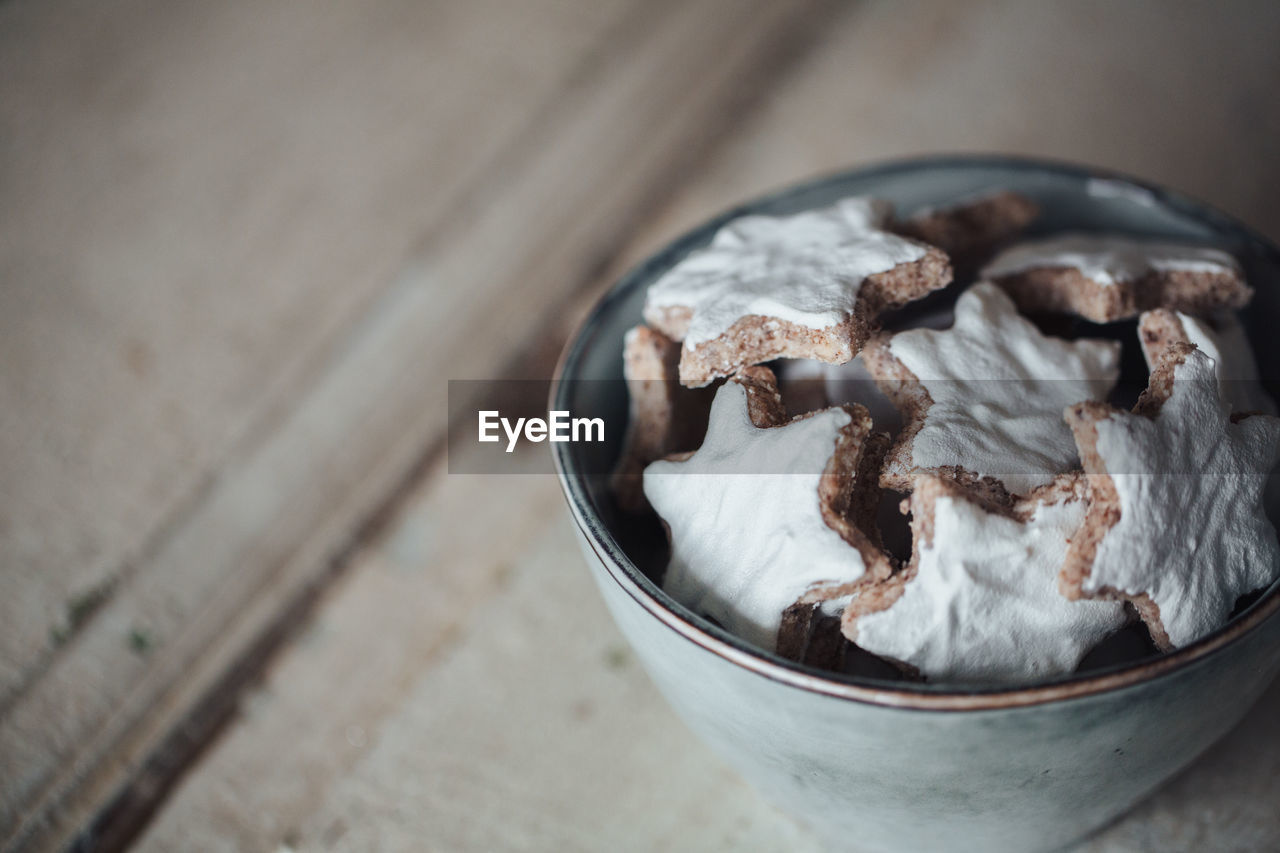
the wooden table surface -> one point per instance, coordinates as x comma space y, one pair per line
244, 245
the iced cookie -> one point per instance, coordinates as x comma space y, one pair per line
802, 286
1220, 337
971, 229
1104, 279
982, 401
1175, 522
763, 516
665, 417
979, 600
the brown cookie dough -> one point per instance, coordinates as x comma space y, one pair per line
810, 636
971, 230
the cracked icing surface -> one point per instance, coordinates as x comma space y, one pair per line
998, 387
747, 532
983, 605
805, 269
1191, 533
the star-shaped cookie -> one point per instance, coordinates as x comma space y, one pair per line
1175, 522
802, 286
1223, 339
1104, 279
982, 400
979, 600
760, 516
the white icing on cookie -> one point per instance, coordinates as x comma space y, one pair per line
747, 534
826, 226
984, 605
1192, 533
1108, 260
998, 387
1227, 344
805, 269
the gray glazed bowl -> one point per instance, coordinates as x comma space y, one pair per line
884, 765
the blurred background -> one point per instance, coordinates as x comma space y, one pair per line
244, 244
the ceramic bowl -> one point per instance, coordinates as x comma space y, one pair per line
871, 764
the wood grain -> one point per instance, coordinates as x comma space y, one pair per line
496, 709
202, 199
634, 96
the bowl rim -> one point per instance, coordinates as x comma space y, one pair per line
861, 689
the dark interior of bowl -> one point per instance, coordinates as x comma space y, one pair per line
1071, 199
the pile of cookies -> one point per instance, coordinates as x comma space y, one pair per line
778, 407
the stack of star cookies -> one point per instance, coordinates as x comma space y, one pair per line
783, 412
